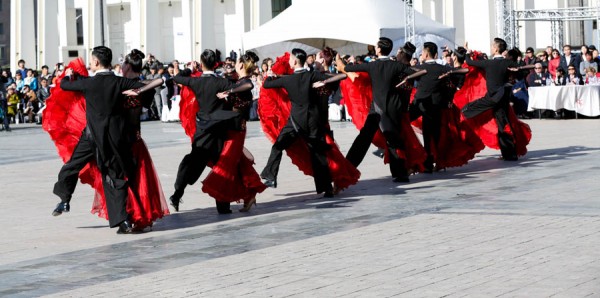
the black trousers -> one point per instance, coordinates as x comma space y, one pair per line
207, 146
361, 144
317, 148
432, 121
500, 108
113, 180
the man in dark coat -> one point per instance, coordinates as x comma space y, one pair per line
385, 108
498, 94
104, 138
430, 100
212, 123
305, 122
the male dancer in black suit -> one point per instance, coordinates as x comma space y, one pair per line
385, 109
304, 122
498, 94
212, 123
104, 138
429, 100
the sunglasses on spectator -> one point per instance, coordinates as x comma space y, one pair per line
538, 68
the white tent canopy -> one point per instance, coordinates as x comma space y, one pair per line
345, 25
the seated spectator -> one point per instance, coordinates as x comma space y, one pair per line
561, 78
595, 57
542, 57
573, 78
538, 77
19, 81
586, 63
117, 70
520, 99
590, 76
31, 80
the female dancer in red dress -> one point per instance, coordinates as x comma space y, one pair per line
485, 124
274, 111
232, 177
64, 119
358, 95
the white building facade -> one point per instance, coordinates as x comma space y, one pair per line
475, 22
51, 31
177, 29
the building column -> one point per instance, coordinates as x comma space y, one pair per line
48, 33
92, 36
150, 27
183, 33
22, 34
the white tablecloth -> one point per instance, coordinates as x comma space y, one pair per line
584, 100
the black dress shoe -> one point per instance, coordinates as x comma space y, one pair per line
176, 200
223, 207
60, 208
125, 227
379, 153
270, 183
401, 179
328, 194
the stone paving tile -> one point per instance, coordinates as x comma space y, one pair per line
486, 229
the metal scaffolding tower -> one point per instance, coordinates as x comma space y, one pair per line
507, 20
409, 28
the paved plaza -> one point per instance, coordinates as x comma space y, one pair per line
529, 228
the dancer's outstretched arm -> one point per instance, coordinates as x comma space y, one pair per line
331, 79
412, 76
454, 71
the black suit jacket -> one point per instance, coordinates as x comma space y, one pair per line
430, 87
106, 114
575, 60
385, 75
306, 111
496, 74
213, 110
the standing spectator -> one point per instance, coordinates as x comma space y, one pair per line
569, 59
58, 70
21, 68
529, 57
156, 107
31, 81
176, 68
549, 50
257, 82
310, 62
117, 70
584, 50
414, 62
42, 94
542, 57
538, 77
595, 57
30, 103
12, 100
5, 80
45, 74
152, 61
586, 63
554, 63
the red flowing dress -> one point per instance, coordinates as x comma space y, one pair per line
64, 119
458, 143
358, 95
274, 108
232, 177
485, 125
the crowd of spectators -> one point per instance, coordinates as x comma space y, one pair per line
24, 92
